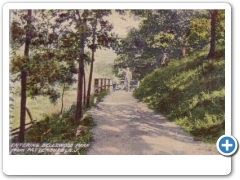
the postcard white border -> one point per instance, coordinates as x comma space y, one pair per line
114, 165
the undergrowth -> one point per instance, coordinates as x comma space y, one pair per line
62, 128
56, 128
101, 95
190, 92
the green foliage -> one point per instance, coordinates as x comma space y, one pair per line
220, 27
199, 34
87, 120
176, 32
101, 95
162, 40
91, 100
57, 128
44, 66
191, 92
16, 33
162, 31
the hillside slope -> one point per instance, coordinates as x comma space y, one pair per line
190, 92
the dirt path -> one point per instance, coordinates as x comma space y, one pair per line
126, 126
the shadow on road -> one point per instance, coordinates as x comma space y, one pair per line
126, 126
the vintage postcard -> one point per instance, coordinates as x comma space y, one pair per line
88, 80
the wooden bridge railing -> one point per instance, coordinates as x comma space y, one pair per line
101, 83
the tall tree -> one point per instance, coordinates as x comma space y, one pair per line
75, 31
73, 25
83, 33
24, 78
213, 14
39, 65
93, 48
101, 36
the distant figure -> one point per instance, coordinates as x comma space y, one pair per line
128, 78
164, 60
114, 83
124, 83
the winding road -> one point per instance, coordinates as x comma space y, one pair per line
126, 126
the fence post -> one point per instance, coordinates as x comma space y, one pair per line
101, 84
105, 84
109, 85
96, 85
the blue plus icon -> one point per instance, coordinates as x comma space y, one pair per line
227, 145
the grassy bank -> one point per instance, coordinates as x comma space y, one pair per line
190, 92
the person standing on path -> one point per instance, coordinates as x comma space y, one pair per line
114, 83
128, 78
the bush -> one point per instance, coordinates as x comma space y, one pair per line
87, 120
101, 95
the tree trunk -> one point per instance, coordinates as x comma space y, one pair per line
24, 81
23, 105
62, 97
183, 51
92, 61
78, 113
84, 88
90, 81
211, 53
